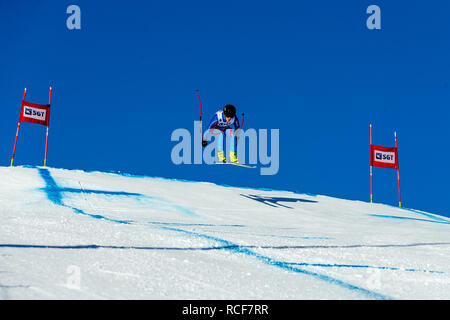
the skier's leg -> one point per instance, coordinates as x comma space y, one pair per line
220, 138
233, 141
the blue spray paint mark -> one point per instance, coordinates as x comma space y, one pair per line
223, 247
197, 224
267, 260
124, 174
96, 246
184, 210
97, 216
358, 266
406, 218
271, 235
55, 194
427, 215
434, 217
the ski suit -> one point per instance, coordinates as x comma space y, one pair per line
219, 126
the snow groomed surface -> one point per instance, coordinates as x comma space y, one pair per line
70, 234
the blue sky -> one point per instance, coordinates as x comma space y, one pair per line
311, 69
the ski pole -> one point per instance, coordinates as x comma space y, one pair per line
204, 142
200, 101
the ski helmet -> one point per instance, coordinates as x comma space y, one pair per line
229, 111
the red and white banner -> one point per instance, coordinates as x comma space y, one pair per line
35, 113
383, 157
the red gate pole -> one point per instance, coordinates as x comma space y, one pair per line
398, 172
18, 127
46, 138
371, 169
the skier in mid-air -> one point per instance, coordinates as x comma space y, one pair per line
222, 123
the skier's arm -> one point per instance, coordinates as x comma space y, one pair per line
212, 123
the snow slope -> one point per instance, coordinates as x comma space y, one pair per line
69, 234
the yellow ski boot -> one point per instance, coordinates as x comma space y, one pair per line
221, 156
233, 157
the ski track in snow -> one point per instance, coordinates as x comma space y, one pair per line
57, 195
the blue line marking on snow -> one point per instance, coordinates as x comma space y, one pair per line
97, 216
185, 210
427, 215
95, 246
267, 260
359, 266
197, 224
432, 216
130, 175
270, 235
55, 194
406, 218
51, 188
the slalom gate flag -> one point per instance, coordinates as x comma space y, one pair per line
35, 113
386, 158
383, 157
